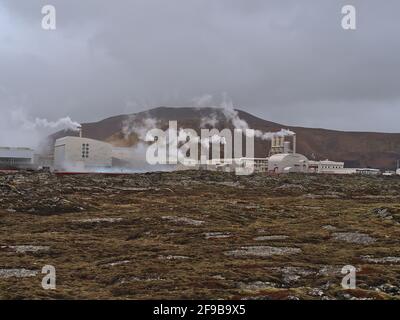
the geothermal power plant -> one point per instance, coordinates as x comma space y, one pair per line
77, 154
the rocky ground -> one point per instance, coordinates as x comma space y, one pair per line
199, 235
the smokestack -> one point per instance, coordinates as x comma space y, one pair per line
294, 143
80, 131
286, 147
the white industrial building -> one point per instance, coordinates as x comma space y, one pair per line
77, 154
16, 158
326, 166
243, 165
81, 154
287, 162
368, 171
259, 164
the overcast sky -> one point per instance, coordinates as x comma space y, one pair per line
287, 61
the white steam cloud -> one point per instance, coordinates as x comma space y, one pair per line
230, 114
140, 127
17, 129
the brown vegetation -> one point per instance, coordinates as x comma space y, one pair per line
199, 234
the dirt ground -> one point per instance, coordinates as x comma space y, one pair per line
199, 235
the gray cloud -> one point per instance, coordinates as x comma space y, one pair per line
286, 61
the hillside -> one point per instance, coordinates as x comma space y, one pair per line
357, 149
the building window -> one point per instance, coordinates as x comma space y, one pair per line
85, 150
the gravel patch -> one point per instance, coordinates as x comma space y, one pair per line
118, 263
27, 248
217, 235
262, 251
381, 260
183, 220
329, 227
267, 238
353, 237
17, 273
256, 285
171, 257
99, 220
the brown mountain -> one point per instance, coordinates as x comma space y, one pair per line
357, 149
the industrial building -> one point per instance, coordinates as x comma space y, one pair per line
78, 154
326, 166
259, 164
243, 165
284, 159
16, 158
81, 154
287, 162
280, 146
368, 171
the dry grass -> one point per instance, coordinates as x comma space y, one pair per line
145, 256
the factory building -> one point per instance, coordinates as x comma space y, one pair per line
287, 162
77, 154
243, 165
368, 171
16, 158
259, 164
284, 159
280, 146
326, 166
81, 154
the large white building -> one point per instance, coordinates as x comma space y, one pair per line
81, 154
16, 158
287, 162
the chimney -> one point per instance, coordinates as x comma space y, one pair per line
286, 147
294, 143
80, 131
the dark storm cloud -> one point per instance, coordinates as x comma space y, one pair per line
287, 61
